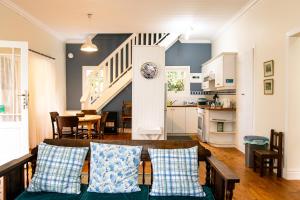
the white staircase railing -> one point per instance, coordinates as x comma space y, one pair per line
113, 68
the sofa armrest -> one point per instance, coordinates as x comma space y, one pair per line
16, 175
220, 178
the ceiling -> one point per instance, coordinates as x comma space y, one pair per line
68, 18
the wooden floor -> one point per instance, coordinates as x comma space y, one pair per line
252, 186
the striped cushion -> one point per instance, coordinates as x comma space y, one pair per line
175, 172
58, 169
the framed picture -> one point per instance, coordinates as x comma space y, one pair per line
269, 68
268, 86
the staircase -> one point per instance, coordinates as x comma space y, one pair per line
113, 74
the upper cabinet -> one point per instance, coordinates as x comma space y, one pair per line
219, 72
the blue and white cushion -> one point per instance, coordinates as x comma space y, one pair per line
114, 168
175, 172
58, 169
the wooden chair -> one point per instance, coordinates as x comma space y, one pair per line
70, 122
102, 124
89, 112
53, 116
265, 158
126, 115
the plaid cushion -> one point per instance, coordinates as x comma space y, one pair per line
58, 169
175, 172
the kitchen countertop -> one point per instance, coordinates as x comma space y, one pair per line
182, 106
216, 109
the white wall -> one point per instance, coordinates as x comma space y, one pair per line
148, 95
293, 109
264, 27
17, 28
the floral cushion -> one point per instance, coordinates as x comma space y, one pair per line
175, 172
58, 169
114, 168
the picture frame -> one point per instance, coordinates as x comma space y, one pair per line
269, 68
269, 86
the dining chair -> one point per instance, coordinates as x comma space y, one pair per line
265, 158
53, 116
89, 112
103, 120
126, 116
70, 122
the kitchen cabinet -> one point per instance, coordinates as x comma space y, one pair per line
220, 71
181, 120
214, 136
169, 120
191, 120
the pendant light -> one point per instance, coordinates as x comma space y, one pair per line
88, 45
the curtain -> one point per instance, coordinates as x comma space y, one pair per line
42, 97
10, 87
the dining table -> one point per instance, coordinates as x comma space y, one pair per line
89, 121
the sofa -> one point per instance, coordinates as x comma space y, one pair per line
219, 179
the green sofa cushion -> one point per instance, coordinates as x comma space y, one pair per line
207, 190
51, 195
142, 195
84, 195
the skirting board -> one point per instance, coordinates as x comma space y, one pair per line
292, 174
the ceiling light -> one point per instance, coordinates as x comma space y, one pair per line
88, 45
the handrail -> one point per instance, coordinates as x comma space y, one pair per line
111, 65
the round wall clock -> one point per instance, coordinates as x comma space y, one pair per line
70, 55
149, 70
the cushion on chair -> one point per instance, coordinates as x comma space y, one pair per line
58, 169
114, 168
208, 196
51, 195
265, 152
175, 172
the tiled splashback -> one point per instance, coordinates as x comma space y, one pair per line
181, 99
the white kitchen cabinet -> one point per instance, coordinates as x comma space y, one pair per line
191, 120
220, 70
218, 65
205, 85
169, 120
181, 120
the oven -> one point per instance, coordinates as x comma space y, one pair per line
201, 128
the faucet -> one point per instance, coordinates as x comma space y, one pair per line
172, 102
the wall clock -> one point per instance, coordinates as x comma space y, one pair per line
149, 70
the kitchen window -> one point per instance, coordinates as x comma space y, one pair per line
177, 78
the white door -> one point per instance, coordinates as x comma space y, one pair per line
13, 100
179, 120
245, 99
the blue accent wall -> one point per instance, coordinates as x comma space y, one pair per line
106, 43
116, 103
189, 54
